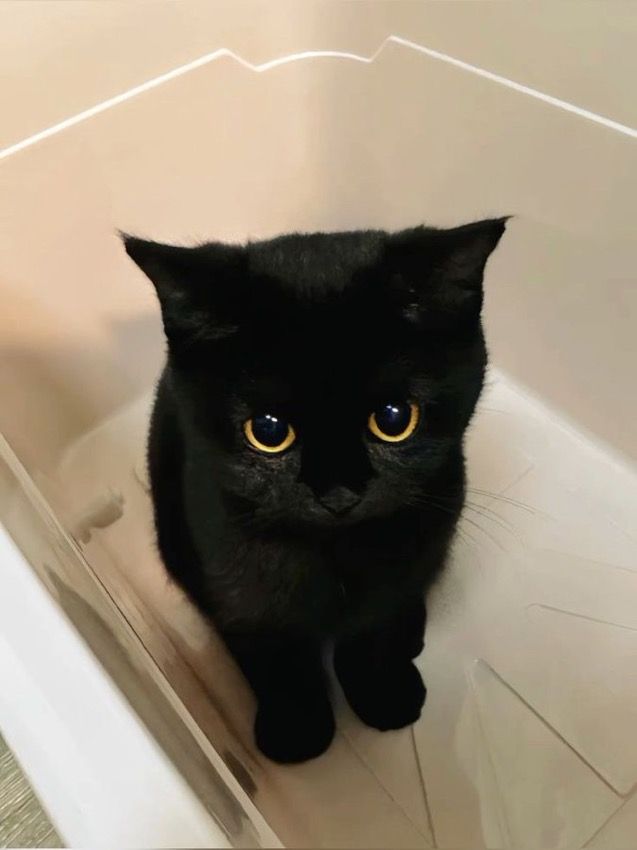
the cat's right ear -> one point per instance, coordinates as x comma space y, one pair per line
198, 288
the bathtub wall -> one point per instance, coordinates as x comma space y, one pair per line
327, 143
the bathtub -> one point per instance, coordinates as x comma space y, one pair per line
131, 721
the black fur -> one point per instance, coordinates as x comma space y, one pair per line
321, 329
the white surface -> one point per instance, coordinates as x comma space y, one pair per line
532, 643
101, 777
527, 739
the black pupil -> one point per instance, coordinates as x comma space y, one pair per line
393, 419
269, 430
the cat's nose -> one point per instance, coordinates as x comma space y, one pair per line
339, 500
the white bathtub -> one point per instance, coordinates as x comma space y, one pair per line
134, 726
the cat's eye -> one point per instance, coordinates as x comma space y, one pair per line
269, 433
394, 422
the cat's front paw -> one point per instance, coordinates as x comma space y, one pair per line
290, 730
384, 698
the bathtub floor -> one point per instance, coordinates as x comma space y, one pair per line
528, 736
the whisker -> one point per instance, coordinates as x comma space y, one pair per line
481, 510
495, 518
468, 539
434, 501
484, 531
425, 500
500, 497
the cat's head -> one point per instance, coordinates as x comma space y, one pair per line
329, 377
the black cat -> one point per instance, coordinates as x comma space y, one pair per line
306, 455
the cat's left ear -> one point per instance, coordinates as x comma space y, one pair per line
444, 269
200, 289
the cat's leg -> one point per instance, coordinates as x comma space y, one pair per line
294, 719
377, 673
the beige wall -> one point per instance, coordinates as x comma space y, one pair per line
323, 144
57, 58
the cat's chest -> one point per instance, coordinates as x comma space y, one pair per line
299, 584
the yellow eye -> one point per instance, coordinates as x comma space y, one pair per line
394, 423
269, 433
